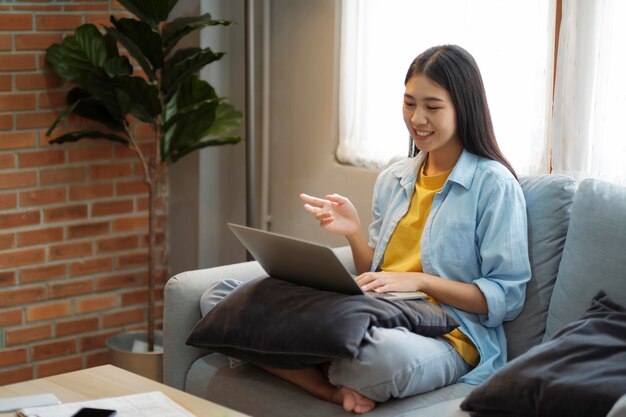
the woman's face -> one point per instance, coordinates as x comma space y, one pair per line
430, 116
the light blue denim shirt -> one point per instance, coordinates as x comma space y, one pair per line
476, 233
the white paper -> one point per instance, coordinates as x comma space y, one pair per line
148, 404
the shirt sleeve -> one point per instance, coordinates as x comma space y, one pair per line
503, 244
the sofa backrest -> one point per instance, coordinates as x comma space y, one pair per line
548, 206
594, 256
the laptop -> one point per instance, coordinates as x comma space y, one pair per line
304, 263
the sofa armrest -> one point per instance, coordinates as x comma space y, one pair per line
182, 312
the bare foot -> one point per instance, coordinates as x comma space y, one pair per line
353, 401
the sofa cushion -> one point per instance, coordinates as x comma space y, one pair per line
276, 323
581, 371
548, 205
594, 256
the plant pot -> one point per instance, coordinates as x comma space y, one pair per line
129, 352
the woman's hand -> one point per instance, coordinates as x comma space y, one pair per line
334, 213
390, 281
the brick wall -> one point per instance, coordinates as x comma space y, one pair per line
73, 219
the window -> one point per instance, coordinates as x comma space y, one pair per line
380, 38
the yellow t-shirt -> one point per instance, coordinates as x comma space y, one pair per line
403, 252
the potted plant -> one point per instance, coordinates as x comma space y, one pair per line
184, 111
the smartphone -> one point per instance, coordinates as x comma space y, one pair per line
94, 412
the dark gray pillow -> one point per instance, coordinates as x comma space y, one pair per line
275, 323
581, 371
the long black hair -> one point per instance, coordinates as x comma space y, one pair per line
454, 69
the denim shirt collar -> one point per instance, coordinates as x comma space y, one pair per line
462, 174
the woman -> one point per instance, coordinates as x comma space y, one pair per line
449, 221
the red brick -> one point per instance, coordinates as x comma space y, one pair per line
128, 224
42, 273
131, 187
125, 152
133, 260
91, 191
60, 366
13, 357
113, 282
71, 288
93, 342
22, 295
16, 375
7, 278
108, 208
62, 175
19, 101
20, 258
110, 171
53, 349
7, 240
7, 161
48, 311
6, 42
70, 250
18, 179
117, 244
58, 214
53, 100
8, 201
76, 326
6, 121
91, 266
124, 317
17, 140
96, 303
38, 41
14, 220
43, 196
58, 21
78, 231
10, 317
134, 297
18, 62
98, 358
35, 120
6, 82
25, 335
72, 7
90, 154
16, 21
100, 19
37, 7
37, 81
41, 158
40, 236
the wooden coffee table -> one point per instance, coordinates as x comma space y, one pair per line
109, 381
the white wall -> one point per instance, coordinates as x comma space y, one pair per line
207, 189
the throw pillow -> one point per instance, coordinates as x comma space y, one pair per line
275, 323
581, 371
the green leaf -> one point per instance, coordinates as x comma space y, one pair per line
190, 95
150, 11
93, 109
88, 134
102, 88
178, 28
147, 41
179, 153
54, 58
78, 55
137, 97
226, 119
118, 65
184, 63
62, 116
135, 52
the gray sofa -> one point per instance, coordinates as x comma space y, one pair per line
577, 239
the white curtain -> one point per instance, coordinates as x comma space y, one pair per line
588, 137
512, 41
